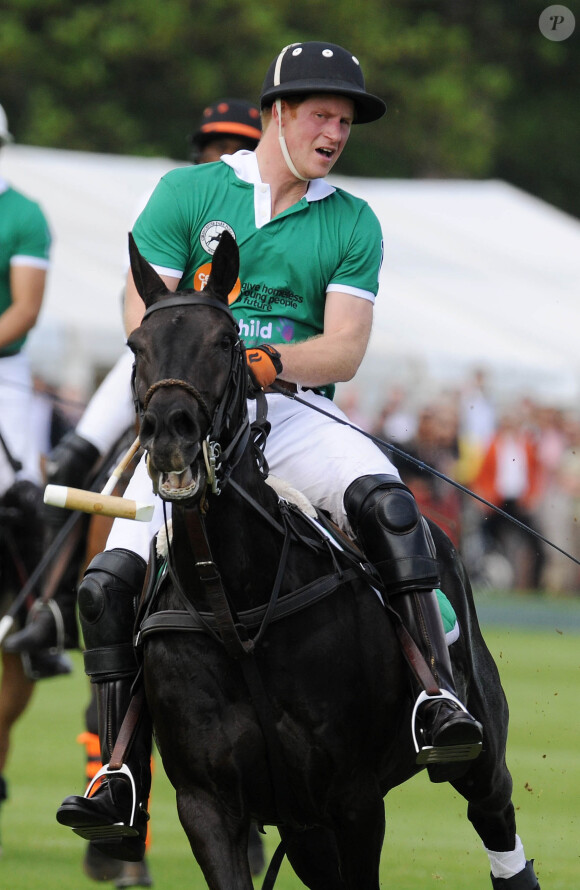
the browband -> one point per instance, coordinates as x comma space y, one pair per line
190, 300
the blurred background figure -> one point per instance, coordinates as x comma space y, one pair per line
560, 511
25, 243
396, 421
476, 424
435, 443
226, 126
510, 476
349, 400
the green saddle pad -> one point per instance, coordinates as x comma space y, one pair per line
447, 614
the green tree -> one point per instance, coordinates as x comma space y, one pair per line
473, 90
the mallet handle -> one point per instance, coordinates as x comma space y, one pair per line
101, 504
121, 467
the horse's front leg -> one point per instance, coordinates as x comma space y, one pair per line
218, 841
360, 832
347, 858
487, 786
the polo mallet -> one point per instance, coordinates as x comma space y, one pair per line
102, 504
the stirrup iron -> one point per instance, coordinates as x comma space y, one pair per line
445, 753
107, 832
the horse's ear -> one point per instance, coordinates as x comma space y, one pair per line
225, 267
150, 286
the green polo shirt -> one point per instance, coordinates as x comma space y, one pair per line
286, 264
24, 238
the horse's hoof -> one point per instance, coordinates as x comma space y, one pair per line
99, 867
524, 880
134, 874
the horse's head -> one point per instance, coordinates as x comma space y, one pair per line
189, 377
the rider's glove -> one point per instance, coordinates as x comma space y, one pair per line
264, 365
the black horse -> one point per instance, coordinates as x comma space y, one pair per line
272, 670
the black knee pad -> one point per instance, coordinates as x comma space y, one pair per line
392, 532
385, 496
108, 595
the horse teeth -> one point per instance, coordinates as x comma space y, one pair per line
178, 484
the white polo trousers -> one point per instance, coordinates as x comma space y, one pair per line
311, 451
17, 421
110, 411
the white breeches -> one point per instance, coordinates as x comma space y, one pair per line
19, 421
314, 453
110, 411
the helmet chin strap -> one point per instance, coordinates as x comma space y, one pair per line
284, 147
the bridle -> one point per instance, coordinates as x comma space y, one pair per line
229, 426
183, 384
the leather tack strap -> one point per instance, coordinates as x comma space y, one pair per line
416, 661
211, 579
127, 730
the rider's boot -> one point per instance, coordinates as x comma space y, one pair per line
114, 818
52, 626
96, 865
395, 537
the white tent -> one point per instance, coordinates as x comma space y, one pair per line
90, 201
475, 273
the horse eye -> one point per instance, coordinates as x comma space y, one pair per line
226, 342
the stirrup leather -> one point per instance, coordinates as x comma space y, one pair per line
117, 829
445, 753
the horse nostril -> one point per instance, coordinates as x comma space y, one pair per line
182, 424
148, 428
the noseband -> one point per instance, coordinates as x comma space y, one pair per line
183, 384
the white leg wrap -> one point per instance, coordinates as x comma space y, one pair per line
506, 865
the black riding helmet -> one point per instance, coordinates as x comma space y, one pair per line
316, 67
227, 117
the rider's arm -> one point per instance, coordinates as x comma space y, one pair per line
335, 355
26, 291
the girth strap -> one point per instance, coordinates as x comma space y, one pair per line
177, 620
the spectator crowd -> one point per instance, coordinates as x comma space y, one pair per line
522, 456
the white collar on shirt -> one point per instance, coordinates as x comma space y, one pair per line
244, 163
4, 186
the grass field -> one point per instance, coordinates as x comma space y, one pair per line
429, 843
